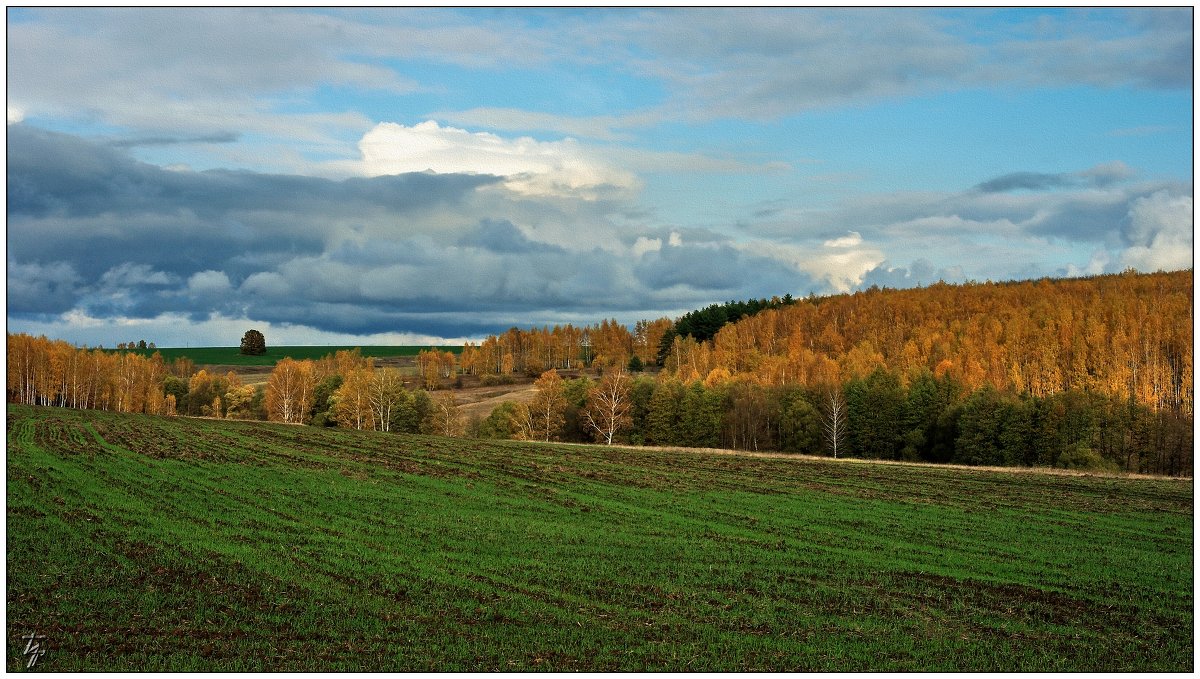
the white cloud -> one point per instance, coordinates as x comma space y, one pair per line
129, 274
844, 270
850, 240
601, 127
1097, 265
209, 283
1159, 233
594, 127
15, 114
267, 283
843, 263
530, 166
643, 245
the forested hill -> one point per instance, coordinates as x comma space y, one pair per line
1127, 335
703, 324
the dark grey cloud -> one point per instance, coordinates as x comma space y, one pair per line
720, 271
96, 207
53, 173
41, 290
214, 138
502, 236
1032, 181
90, 227
1101, 176
1083, 217
695, 266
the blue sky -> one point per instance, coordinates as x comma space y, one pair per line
410, 176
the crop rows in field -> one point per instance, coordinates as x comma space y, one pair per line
173, 544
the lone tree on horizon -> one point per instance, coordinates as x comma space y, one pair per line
253, 343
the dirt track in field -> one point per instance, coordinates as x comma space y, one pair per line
480, 401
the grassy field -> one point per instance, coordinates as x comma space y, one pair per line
142, 543
233, 355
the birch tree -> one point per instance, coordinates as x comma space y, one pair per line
608, 405
352, 406
385, 394
834, 425
546, 411
290, 391
444, 416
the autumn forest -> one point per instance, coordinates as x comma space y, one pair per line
1093, 373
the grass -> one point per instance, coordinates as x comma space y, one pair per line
233, 355
142, 543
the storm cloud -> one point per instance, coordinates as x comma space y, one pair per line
94, 231
96, 207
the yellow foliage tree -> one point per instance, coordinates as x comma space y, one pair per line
290, 390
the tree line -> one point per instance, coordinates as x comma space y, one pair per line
341, 389
607, 344
880, 416
55, 373
531, 352
883, 415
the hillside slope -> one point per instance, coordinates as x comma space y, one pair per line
148, 543
1127, 336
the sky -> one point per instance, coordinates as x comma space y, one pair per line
420, 176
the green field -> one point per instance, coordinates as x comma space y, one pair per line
233, 356
144, 543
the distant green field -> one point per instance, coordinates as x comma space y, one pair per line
139, 543
233, 355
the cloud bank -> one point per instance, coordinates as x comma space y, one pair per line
97, 234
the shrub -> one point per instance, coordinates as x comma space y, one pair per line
1082, 457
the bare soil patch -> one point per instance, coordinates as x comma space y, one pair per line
480, 401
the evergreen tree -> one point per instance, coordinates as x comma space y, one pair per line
980, 428
800, 424
700, 416
639, 398
875, 407
662, 420
1016, 433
